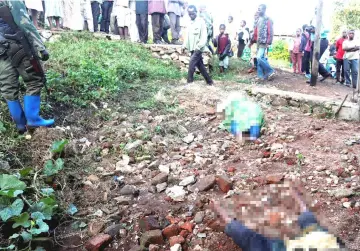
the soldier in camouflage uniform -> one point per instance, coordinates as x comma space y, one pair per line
14, 63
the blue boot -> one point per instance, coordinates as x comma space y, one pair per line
32, 110
17, 114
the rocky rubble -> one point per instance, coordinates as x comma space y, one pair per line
169, 177
174, 53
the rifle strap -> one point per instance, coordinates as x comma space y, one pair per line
18, 57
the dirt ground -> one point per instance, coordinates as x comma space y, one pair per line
297, 83
116, 187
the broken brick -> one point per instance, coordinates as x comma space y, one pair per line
97, 242
187, 226
171, 231
274, 178
224, 183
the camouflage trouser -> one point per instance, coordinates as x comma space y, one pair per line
9, 78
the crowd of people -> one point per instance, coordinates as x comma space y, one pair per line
339, 60
127, 18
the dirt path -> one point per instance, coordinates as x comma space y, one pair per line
124, 192
297, 83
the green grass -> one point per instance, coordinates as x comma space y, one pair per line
280, 63
85, 69
233, 74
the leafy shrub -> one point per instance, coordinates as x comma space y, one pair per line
85, 69
280, 50
26, 206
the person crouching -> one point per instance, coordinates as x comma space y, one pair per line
223, 44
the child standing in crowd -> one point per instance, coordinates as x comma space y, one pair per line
54, 11
123, 17
223, 44
297, 52
35, 6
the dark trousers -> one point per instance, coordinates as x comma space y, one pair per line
306, 62
175, 25
142, 23
340, 70
165, 36
241, 48
196, 60
157, 21
249, 240
95, 8
106, 9
322, 70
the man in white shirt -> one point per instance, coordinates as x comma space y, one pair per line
351, 59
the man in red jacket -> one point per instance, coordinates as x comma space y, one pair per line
340, 58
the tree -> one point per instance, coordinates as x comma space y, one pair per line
346, 16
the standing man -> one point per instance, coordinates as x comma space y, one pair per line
142, 21
157, 11
351, 59
340, 59
15, 62
106, 9
174, 12
95, 8
196, 43
243, 37
263, 36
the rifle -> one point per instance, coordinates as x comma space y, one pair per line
28, 48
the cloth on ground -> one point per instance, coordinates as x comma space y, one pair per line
237, 109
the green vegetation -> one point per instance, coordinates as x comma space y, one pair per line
237, 66
27, 202
346, 16
279, 56
280, 50
85, 69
